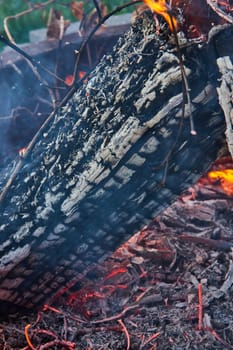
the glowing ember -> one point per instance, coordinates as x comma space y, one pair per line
22, 151
69, 80
162, 8
81, 74
115, 272
225, 179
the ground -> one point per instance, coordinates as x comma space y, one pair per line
169, 287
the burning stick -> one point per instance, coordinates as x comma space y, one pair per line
200, 307
28, 338
152, 337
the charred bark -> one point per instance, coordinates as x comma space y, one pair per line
225, 92
118, 153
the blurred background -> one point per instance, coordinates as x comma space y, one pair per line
38, 18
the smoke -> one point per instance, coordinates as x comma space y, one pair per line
25, 104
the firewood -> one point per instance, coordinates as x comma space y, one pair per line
111, 159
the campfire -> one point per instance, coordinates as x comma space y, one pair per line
122, 146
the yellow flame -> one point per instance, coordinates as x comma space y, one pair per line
162, 8
225, 177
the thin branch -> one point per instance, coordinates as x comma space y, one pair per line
28, 338
35, 63
126, 333
219, 244
186, 88
200, 307
98, 9
23, 13
115, 317
221, 13
152, 337
6, 19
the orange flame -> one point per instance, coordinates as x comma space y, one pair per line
163, 9
225, 179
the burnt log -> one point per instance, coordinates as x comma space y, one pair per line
110, 160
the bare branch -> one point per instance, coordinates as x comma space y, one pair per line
23, 13
98, 9
221, 13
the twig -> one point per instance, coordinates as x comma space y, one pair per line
48, 345
62, 343
221, 13
35, 63
126, 333
98, 9
141, 296
166, 13
45, 331
219, 244
51, 308
200, 307
186, 88
216, 336
120, 315
27, 337
154, 336
25, 12
164, 10
11, 179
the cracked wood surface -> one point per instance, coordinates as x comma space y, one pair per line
225, 93
96, 175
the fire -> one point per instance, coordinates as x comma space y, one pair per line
163, 9
225, 179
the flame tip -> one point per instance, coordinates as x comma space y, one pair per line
162, 8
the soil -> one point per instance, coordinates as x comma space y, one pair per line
169, 287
